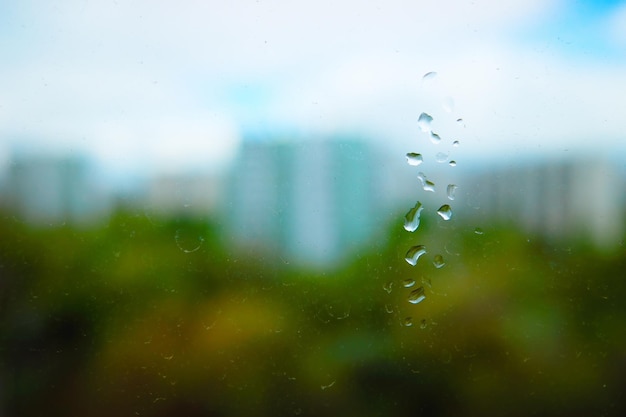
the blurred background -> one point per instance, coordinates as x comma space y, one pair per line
319, 208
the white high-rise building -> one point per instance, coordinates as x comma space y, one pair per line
312, 202
53, 190
558, 199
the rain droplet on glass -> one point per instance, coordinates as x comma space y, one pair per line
423, 324
426, 184
408, 322
429, 186
388, 286
452, 163
423, 122
441, 157
414, 159
417, 296
412, 218
323, 387
407, 283
455, 143
429, 76
438, 261
413, 254
445, 212
187, 242
478, 231
451, 191
434, 138
452, 248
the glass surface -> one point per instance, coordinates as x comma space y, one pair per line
272, 208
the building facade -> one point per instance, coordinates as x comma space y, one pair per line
314, 202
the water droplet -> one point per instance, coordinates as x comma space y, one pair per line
445, 212
429, 76
422, 177
456, 143
426, 184
459, 121
451, 191
478, 231
434, 138
417, 296
453, 248
388, 287
438, 261
429, 186
388, 309
414, 159
187, 242
338, 311
323, 387
412, 218
423, 324
427, 282
448, 104
423, 122
452, 163
441, 157
413, 254
408, 322
407, 283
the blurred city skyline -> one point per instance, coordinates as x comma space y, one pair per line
149, 88
317, 202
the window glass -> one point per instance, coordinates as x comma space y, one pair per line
323, 208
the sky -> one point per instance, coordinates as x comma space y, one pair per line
163, 86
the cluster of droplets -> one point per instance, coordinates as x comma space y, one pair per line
412, 217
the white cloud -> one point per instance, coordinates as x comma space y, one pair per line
511, 100
125, 78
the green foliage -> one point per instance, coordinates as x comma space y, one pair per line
145, 317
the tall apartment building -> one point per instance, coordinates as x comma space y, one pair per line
555, 198
52, 190
312, 201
